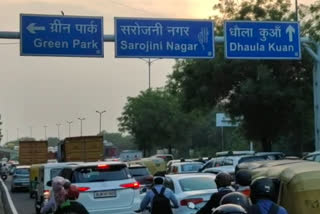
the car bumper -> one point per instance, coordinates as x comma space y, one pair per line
21, 185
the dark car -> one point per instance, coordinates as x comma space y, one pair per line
141, 174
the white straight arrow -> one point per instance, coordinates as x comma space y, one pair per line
32, 28
290, 30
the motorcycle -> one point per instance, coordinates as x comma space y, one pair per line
4, 176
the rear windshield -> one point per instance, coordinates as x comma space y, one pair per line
139, 171
190, 167
22, 171
200, 183
96, 174
252, 159
54, 172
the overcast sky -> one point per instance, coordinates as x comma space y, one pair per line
38, 91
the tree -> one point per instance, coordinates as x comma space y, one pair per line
267, 94
122, 142
155, 120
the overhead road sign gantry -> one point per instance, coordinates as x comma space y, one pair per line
262, 40
164, 38
72, 36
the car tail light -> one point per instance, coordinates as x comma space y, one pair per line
103, 167
46, 194
83, 189
134, 185
185, 202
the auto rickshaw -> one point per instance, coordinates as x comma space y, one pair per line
300, 188
154, 165
34, 179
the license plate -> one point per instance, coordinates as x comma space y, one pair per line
105, 194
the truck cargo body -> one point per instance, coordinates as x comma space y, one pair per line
33, 152
86, 148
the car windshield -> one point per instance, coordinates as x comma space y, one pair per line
55, 172
252, 159
22, 171
197, 183
100, 174
191, 167
141, 171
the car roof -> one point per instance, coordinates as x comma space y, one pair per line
189, 175
185, 163
23, 167
52, 165
88, 164
136, 166
313, 153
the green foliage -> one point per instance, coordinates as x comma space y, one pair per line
154, 119
53, 141
273, 97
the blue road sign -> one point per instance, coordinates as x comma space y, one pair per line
163, 38
46, 35
262, 40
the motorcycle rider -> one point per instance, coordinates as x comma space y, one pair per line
236, 198
223, 181
243, 180
262, 194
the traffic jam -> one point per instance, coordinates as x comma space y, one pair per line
124, 184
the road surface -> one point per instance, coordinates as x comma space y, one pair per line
21, 200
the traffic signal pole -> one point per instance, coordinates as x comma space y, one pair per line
220, 40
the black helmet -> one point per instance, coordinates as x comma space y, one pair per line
262, 188
229, 209
223, 179
243, 177
236, 198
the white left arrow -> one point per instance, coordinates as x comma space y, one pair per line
290, 30
32, 28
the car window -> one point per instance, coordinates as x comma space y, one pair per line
317, 158
100, 174
254, 158
54, 172
228, 162
198, 183
218, 162
141, 171
22, 171
190, 167
209, 164
174, 169
169, 184
309, 158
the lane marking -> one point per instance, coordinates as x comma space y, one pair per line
12, 207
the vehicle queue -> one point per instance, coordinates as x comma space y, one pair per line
113, 186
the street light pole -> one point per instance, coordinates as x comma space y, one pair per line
45, 131
17, 133
297, 16
81, 119
149, 62
100, 116
69, 122
30, 131
58, 126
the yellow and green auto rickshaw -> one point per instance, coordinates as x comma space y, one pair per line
34, 179
154, 165
300, 188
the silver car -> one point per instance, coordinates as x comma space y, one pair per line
20, 178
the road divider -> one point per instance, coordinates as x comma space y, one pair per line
6, 200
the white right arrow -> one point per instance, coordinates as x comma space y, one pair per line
32, 28
290, 30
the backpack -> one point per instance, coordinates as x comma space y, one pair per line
160, 203
255, 209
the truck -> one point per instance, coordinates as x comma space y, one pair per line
33, 152
84, 149
130, 155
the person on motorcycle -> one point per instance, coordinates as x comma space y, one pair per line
236, 198
243, 180
223, 181
262, 194
229, 209
159, 197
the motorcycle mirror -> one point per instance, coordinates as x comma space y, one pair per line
191, 205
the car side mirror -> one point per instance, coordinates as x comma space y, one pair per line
49, 183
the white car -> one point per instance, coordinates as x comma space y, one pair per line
105, 187
195, 187
184, 167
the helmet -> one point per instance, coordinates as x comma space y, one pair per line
262, 188
243, 177
236, 198
158, 180
223, 179
229, 209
